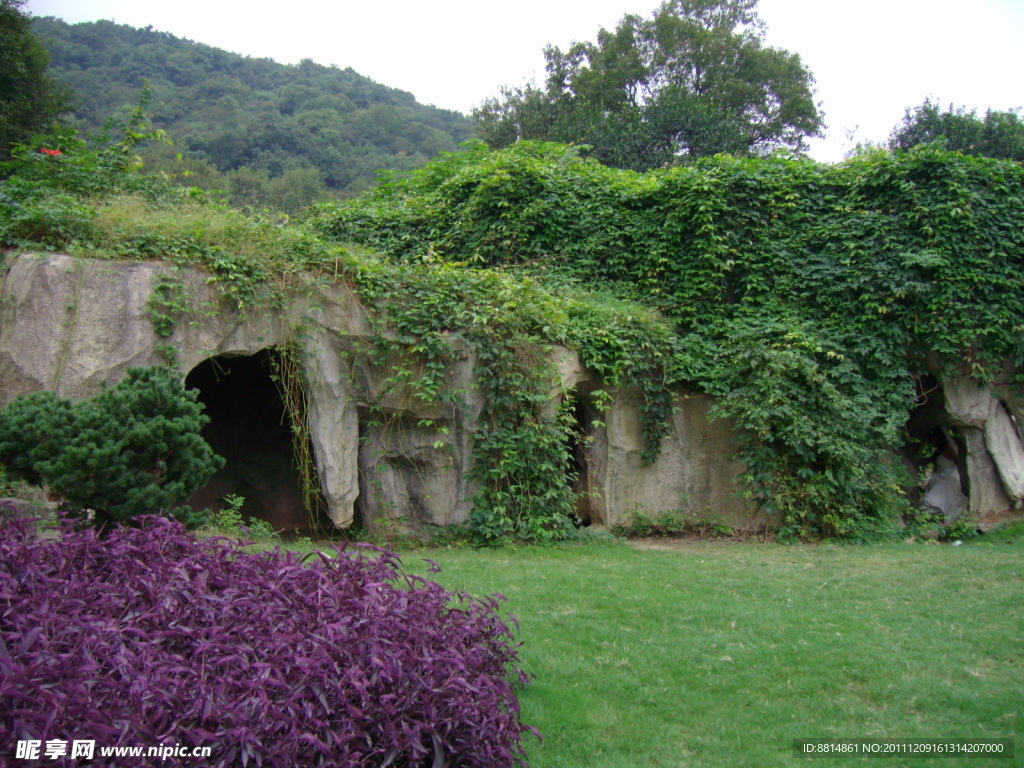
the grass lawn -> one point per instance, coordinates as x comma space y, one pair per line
719, 654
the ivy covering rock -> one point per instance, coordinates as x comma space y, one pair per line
808, 298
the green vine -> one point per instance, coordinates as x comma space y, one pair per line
286, 373
510, 323
806, 297
167, 304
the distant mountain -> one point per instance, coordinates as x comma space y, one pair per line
249, 123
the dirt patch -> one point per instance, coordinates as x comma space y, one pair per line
690, 541
991, 521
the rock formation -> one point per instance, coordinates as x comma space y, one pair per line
70, 324
995, 454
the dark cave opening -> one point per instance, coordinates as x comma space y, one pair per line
577, 455
932, 442
250, 428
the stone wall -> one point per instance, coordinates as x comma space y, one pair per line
69, 324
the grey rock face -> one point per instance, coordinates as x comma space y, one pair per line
69, 325
995, 453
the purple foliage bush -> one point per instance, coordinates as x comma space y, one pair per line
152, 636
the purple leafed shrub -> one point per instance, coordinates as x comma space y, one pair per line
151, 636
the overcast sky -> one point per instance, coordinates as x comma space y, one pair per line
871, 58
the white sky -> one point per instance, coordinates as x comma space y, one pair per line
871, 58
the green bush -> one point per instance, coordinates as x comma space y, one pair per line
231, 521
32, 212
49, 187
133, 449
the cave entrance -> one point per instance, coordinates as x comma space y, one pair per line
249, 426
579, 455
936, 449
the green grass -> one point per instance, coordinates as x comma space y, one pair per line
721, 655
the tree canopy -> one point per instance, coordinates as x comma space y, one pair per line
693, 80
998, 134
30, 99
272, 135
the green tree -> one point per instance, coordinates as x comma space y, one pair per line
133, 449
30, 100
231, 113
693, 80
998, 134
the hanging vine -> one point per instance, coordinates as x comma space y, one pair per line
286, 373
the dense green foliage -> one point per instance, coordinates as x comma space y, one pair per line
133, 449
84, 202
89, 197
48, 192
998, 134
509, 321
807, 297
693, 80
270, 134
30, 98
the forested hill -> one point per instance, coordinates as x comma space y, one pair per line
253, 120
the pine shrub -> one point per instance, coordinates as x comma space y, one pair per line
133, 449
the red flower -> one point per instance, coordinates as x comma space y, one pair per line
51, 152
